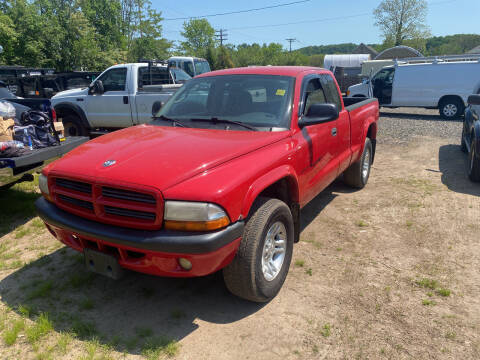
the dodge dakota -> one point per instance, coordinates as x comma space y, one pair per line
215, 181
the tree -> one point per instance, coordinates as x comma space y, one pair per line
401, 20
199, 36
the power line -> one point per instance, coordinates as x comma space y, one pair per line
238, 11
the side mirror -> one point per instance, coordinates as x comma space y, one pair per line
319, 113
474, 100
97, 88
157, 105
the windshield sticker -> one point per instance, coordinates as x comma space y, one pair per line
280, 92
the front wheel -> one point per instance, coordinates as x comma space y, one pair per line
261, 264
451, 108
358, 173
73, 126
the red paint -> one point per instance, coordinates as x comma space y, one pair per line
229, 168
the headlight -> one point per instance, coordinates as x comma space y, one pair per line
194, 216
43, 184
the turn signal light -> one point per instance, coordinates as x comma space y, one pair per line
197, 225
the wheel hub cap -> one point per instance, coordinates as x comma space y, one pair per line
450, 110
273, 254
366, 164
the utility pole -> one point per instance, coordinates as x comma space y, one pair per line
221, 35
290, 41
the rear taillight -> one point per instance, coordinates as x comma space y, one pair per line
54, 115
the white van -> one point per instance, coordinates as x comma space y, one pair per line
435, 85
191, 65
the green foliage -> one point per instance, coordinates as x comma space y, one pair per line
199, 37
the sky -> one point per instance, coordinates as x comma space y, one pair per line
340, 21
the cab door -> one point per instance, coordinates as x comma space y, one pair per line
112, 108
321, 139
383, 86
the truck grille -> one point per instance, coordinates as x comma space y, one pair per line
121, 206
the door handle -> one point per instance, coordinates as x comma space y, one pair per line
125, 99
334, 132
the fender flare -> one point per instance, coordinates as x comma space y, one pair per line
268, 179
369, 122
76, 109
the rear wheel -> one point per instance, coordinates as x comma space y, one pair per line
474, 163
358, 173
261, 264
463, 145
451, 108
73, 126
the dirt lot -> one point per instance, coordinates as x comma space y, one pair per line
388, 272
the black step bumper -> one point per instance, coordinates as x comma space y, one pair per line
152, 240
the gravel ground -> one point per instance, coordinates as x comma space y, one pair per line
399, 126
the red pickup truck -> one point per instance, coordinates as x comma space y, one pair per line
215, 181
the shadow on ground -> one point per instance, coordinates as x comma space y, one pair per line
127, 313
453, 166
413, 116
16, 208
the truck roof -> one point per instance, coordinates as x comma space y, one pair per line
264, 70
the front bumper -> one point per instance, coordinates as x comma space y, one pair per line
153, 252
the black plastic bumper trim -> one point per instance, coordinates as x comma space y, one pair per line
153, 240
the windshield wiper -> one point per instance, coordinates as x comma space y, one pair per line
226, 121
175, 121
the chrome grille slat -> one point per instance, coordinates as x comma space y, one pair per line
74, 185
128, 195
129, 213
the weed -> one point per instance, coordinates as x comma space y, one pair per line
299, 263
450, 335
158, 346
63, 342
177, 314
427, 302
83, 329
326, 330
87, 304
143, 332
10, 335
81, 279
361, 223
43, 289
131, 344
309, 271
409, 223
25, 310
41, 327
21, 232
427, 283
429, 294
339, 249
315, 349
443, 292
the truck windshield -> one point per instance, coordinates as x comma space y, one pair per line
262, 101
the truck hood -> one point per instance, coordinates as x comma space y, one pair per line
69, 93
159, 156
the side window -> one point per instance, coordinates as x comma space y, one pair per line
114, 80
154, 76
331, 91
187, 66
314, 94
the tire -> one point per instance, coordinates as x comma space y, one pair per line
473, 163
73, 126
463, 145
451, 108
249, 276
358, 173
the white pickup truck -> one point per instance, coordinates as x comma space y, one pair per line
120, 97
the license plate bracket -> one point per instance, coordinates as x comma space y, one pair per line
103, 264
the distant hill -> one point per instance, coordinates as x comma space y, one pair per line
437, 45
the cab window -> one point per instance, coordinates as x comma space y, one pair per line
314, 94
331, 91
154, 76
114, 79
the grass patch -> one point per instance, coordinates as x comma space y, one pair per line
154, 348
64, 340
22, 231
427, 302
299, 263
361, 223
427, 283
450, 335
83, 329
326, 330
409, 223
40, 328
443, 292
10, 335
177, 314
143, 332
42, 290
81, 279
309, 271
87, 304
